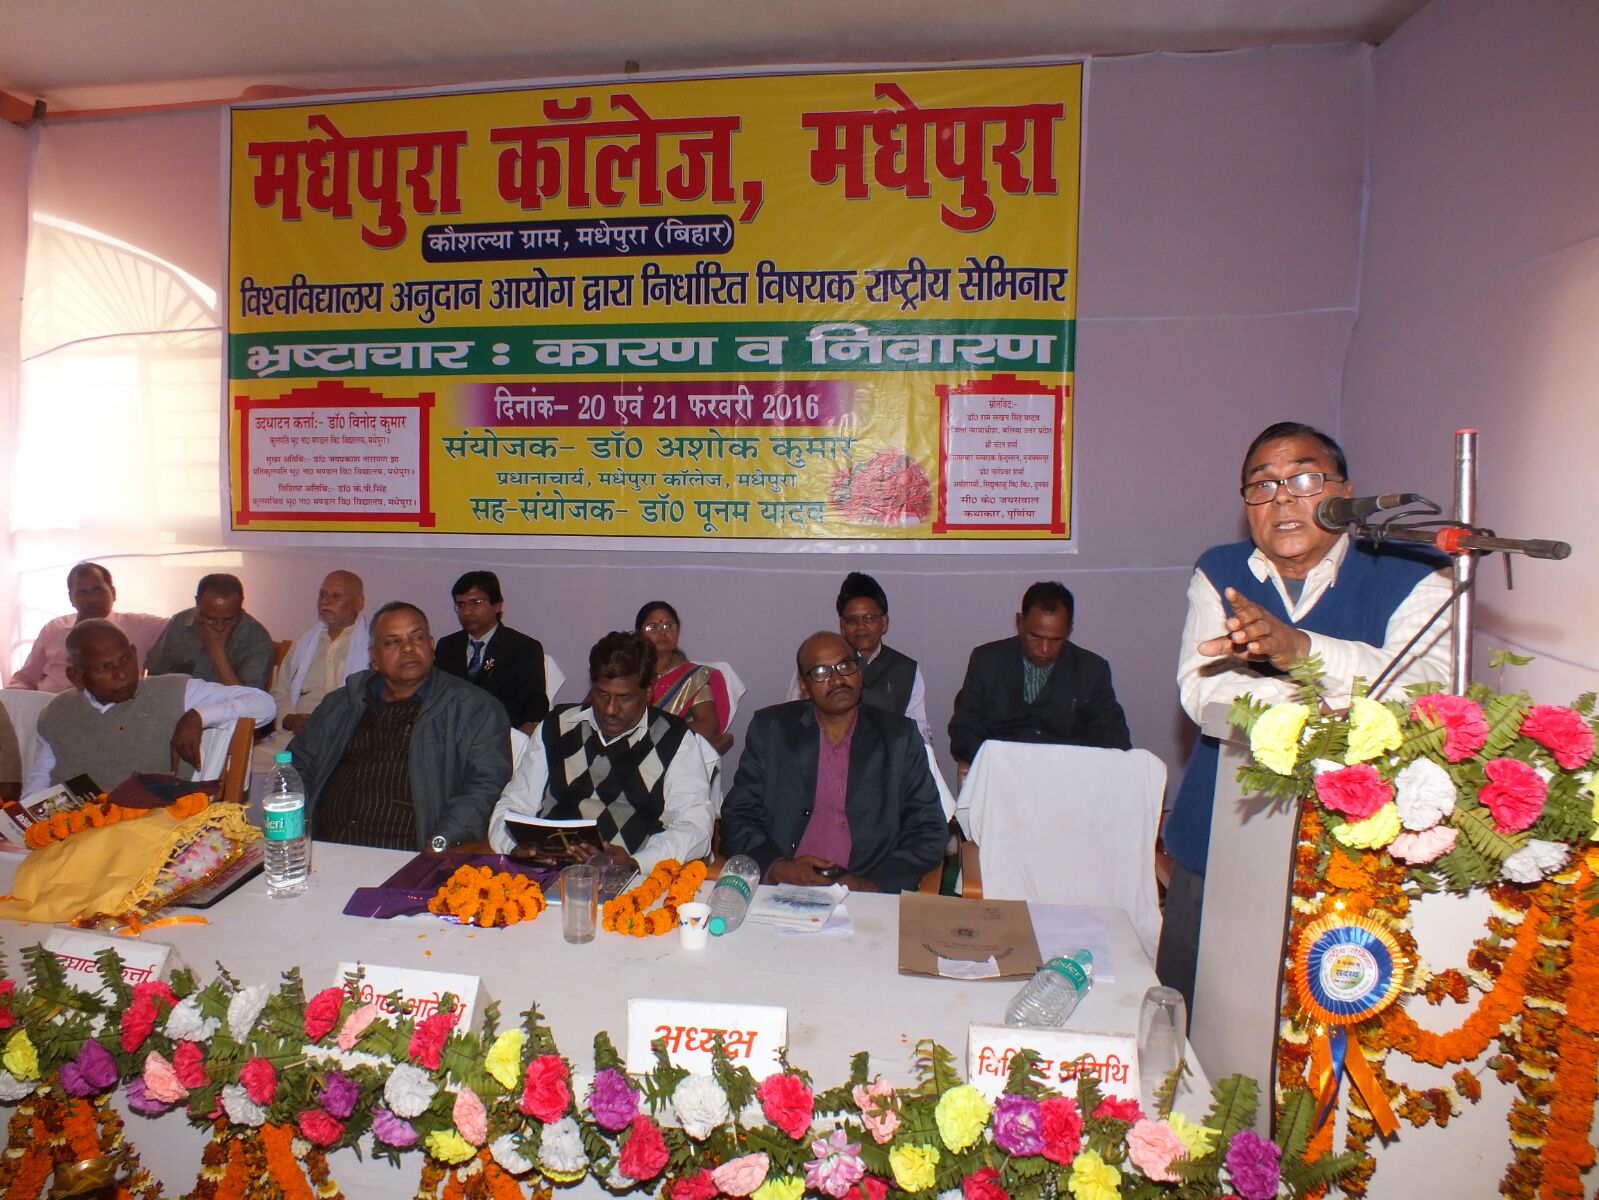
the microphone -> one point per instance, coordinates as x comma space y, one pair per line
1335, 513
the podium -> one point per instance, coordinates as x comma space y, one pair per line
1233, 1027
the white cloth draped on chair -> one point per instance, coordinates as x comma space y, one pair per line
554, 677
24, 707
1068, 825
735, 687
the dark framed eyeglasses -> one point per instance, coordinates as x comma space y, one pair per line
1300, 486
820, 672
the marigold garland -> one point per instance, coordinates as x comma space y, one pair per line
629, 913
479, 896
101, 813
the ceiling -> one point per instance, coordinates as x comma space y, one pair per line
104, 54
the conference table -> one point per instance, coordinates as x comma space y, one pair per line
842, 989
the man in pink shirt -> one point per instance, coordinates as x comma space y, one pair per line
91, 593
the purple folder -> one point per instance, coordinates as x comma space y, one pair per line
408, 890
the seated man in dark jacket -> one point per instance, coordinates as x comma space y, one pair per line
830, 789
1037, 686
403, 756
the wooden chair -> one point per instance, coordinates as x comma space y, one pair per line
280, 655
235, 775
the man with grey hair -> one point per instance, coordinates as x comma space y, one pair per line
326, 654
114, 724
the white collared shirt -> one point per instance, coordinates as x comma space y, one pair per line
1204, 680
686, 814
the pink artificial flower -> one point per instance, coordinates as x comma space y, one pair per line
356, 1024
788, 1103
1466, 727
1356, 791
645, 1153
698, 1186
1425, 847
471, 1117
188, 1061
1117, 1108
322, 1014
983, 1185
427, 1041
1514, 794
1561, 731
546, 1089
161, 1081
1062, 1127
320, 1128
260, 1080
880, 1120
741, 1176
1152, 1147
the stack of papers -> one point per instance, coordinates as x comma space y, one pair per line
789, 906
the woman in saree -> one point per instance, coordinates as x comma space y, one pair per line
683, 688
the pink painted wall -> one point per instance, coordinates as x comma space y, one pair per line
1219, 241
1480, 302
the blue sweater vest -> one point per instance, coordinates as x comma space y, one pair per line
1372, 582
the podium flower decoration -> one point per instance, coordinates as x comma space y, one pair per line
1438, 792
282, 1082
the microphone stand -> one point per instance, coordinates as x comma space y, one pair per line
1463, 542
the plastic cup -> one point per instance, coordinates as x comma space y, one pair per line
580, 893
693, 925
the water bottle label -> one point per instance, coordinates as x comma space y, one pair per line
1071, 969
285, 826
737, 883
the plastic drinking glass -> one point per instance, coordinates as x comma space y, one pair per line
1162, 1037
693, 925
580, 893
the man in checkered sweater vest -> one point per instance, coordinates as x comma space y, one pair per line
641, 774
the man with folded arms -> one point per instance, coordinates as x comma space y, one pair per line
403, 756
326, 654
831, 790
92, 594
1292, 589
216, 640
637, 771
115, 724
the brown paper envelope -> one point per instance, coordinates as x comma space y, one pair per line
934, 927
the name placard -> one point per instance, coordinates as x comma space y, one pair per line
752, 1034
75, 950
1063, 1054
420, 991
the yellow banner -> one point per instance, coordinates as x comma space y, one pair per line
795, 307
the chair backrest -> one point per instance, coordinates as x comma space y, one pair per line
280, 655
735, 687
1068, 825
519, 744
216, 747
24, 707
945, 796
554, 677
236, 766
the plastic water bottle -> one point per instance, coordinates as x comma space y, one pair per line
1048, 998
730, 898
288, 841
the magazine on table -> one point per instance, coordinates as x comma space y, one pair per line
790, 906
17, 815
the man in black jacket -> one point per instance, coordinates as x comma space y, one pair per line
1037, 686
829, 789
506, 664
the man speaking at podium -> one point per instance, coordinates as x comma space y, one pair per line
1295, 588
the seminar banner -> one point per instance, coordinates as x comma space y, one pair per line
791, 308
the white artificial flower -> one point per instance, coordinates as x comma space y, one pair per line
240, 1108
13, 1089
245, 1009
409, 1091
561, 1149
1535, 861
1425, 795
701, 1106
186, 1024
508, 1153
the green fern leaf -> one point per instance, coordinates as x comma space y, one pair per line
1584, 703
1233, 1106
1294, 1121
1477, 828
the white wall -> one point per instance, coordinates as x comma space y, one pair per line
14, 146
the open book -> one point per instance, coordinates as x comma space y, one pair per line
551, 840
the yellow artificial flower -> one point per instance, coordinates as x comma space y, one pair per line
505, 1058
21, 1059
1198, 1138
1093, 1178
555, 1176
961, 1114
1274, 740
448, 1146
1375, 831
1373, 730
913, 1166
790, 1187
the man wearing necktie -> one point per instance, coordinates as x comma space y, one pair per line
503, 662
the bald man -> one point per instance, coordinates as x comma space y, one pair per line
325, 655
113, 724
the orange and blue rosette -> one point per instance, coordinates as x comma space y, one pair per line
1347, 969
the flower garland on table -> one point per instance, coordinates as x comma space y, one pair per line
63, 825
629, 913
478, 896
490, 1111
1460, 793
